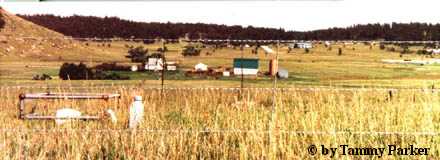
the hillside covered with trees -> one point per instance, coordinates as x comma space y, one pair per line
109, 27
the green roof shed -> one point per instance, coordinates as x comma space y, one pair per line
251, 63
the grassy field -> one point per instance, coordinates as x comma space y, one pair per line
358, 66
220, 124
224, 124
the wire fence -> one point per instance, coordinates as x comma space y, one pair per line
134, 86
226, 131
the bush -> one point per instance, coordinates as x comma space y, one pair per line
191, 51
382, 46
391, 49
138, 54
405, 50
75, 72
112, 67
156, 55
115, 76
71, 71
423, 52
164, 49
42, 77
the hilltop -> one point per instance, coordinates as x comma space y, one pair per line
21, 40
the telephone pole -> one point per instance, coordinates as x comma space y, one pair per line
163, 66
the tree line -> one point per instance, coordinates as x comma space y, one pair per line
114, 27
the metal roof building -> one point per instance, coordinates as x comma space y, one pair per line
246, 66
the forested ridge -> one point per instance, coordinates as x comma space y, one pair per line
110, 27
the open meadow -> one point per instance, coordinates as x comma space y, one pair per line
328, 99
358, 66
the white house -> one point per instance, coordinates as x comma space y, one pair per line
154, 64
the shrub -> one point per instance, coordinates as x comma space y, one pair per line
191, 51
71, 71
138, 54
75, 72
164, 49
391, 49
156, 55
42, 77
382, 46
112, 67
405, 50
423, 52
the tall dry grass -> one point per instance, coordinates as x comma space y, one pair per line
220, 124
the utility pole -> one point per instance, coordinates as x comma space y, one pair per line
163, 66
274, 88
241, 65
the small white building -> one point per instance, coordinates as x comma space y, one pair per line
201, 67
171, 66
156, 64
134, 68
301, 45
433, 51
226, 73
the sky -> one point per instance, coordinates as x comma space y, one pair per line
298, 15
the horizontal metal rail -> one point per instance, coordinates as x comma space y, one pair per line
63, 96
230, 88
68, 96
36, 117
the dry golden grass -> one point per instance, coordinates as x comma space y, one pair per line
218, 124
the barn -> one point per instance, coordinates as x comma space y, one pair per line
245, 66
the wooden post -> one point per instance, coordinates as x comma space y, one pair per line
21, 106
242, 74
390, 95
